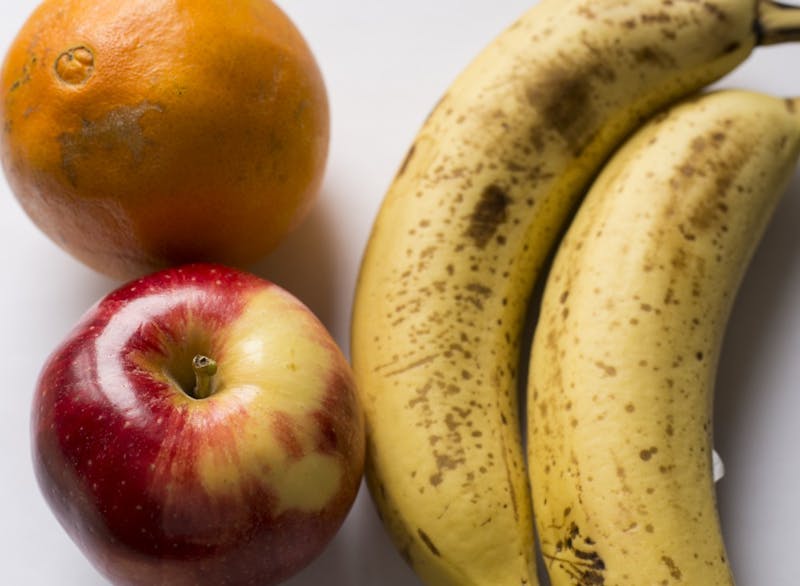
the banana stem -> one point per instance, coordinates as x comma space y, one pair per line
777, 23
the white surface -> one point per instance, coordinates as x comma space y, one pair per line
386, 64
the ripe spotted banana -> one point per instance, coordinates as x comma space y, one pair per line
462, 234
626, 346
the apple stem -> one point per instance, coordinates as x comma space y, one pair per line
204, 370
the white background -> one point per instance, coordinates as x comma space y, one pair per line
386, 64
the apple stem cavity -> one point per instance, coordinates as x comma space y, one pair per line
204, 370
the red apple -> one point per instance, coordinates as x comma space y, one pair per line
198, 426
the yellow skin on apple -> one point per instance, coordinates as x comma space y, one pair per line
271, 363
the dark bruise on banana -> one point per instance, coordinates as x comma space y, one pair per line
473, 213
576, 557
631, 355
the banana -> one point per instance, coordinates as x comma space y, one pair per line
629, 333
461, 236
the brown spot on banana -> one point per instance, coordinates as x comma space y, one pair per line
717, 11
607, 369
576, 558
406, 160
646, 454
490, 212
653, 55
656, 17
565, 96
674, 570
428, 542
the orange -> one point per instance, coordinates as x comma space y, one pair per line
139, 134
